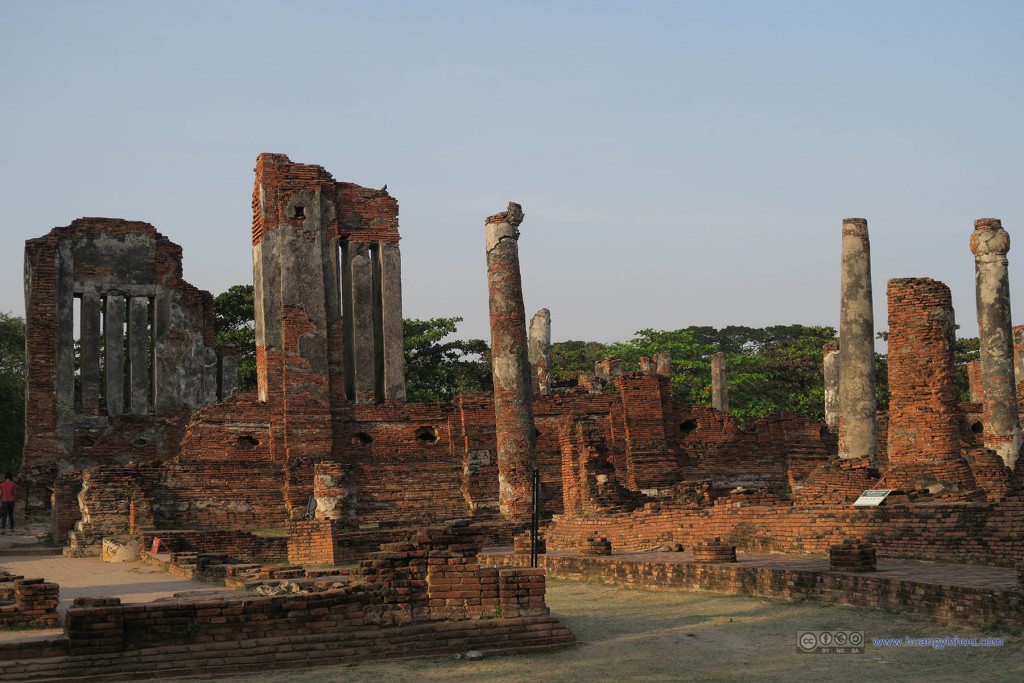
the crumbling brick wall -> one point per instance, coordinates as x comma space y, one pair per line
145, 339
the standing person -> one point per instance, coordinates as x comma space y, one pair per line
7, 498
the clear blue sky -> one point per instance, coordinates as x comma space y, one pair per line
679, 163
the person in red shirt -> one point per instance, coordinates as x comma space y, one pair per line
7, 498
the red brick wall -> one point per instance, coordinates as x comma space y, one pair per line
969, 533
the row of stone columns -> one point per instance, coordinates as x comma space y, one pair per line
850, 367
113, 335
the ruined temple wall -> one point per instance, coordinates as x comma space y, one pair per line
121, 405
773, 452
402, 462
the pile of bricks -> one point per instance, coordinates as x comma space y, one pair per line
521, 544
34, 601
595, 545
852, 555
714, 552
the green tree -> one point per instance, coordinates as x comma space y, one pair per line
12, 391
439, 370
234, 314
570, 359
770, 368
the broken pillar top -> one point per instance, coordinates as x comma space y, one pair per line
989, 238
513, 215
855, 226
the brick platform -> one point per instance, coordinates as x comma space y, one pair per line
983, 597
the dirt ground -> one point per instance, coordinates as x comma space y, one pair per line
639, 635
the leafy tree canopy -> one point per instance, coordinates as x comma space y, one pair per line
234, 313
12, 391
439, 370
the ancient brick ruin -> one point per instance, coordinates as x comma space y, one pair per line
145, 435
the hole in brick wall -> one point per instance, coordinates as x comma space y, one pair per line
977, 428
140, 442
300, 211
426, 435
688, 426
87, 442
247, 441
536, 433
362, 439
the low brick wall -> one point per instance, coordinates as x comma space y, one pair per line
962, 605
427, 595
238, 545
244, 651
963, 533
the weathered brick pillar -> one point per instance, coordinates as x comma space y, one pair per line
663, 363
990, 244
513, 406
857, 428
1018, 353
830, 370
923, 420
1018, 359
540, 351
974, 381
719, 383
332, 493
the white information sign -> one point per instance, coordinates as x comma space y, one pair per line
871, 498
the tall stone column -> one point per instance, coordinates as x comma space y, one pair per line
719, 383
113, 350
990, 244
857, 427
830, 370
513, 406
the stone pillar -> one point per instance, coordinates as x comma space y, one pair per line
90, 359
138, 354
719, 383
359, 325
974, 381
990, 244
513, 406
830, 370
113, 351
857, 427
391, 328
1018, 354
540, 351
923, 420
228, 372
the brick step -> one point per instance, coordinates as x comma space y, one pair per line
531, 635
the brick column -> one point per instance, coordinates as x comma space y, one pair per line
719, 383
974, 381
513, 406
924, 423
990, 244
857, 428
830, 372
